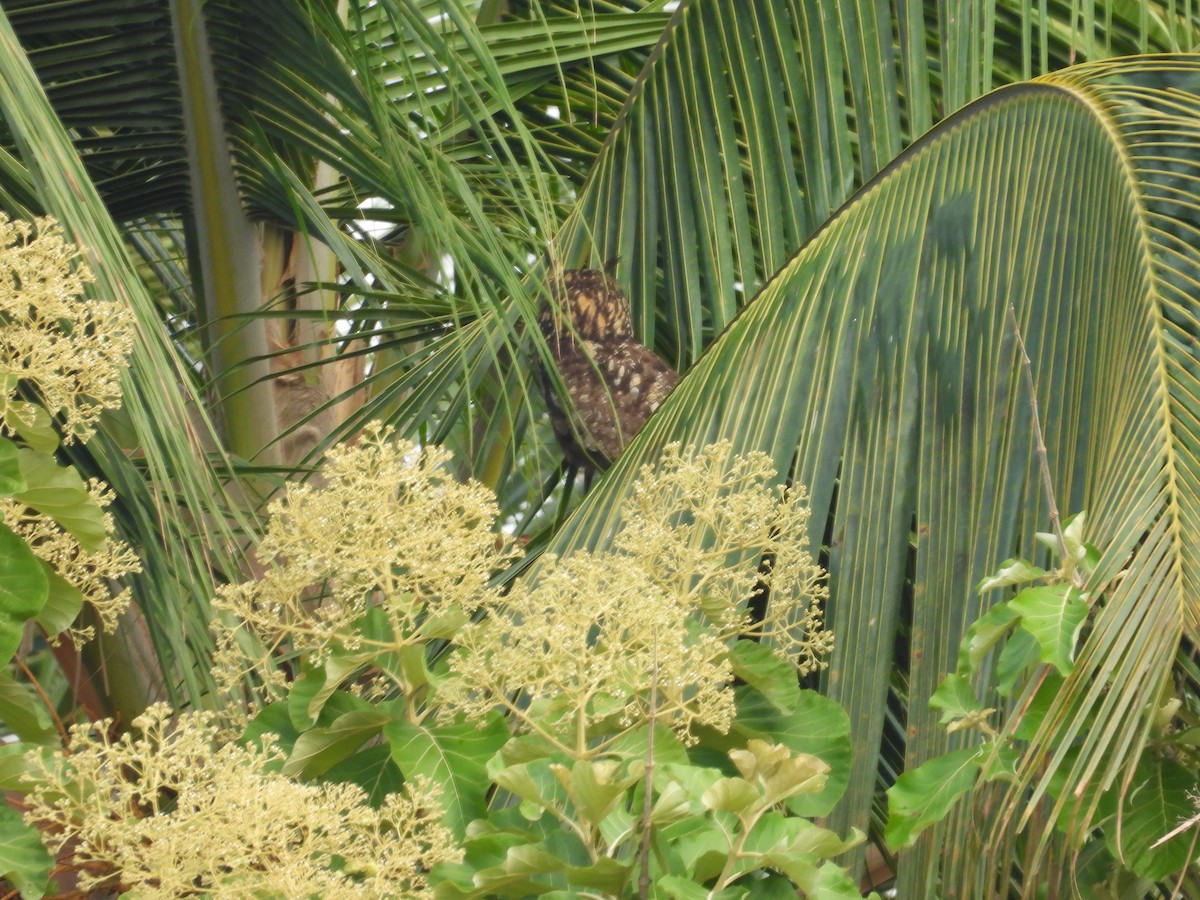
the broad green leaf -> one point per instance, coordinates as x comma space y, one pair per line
307, 695
63, 603
956, 698
24, 859
1018, 658
595, 786
59, 492
1043, 699
319, 749
771, 676
33, 424
453, 757
668, 748
833, 882
781, 773
1159, 800
1073, 536
24, 712
23, 589
273, 719
518, 875
983, 635
817, 726
733, 795
1054, 615
671, 805
312, 690
606, 875
1011, 571
10, 469
922, 796
677, 887
14, 766
372, 769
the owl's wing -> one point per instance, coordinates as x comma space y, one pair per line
614, 387
636, 382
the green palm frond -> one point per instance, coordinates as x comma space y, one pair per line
174, 510
877, 367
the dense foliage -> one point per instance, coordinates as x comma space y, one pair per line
857, 229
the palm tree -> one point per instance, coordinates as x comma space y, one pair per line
373, 187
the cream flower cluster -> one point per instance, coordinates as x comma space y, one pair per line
172, 809
645, 629
69, 350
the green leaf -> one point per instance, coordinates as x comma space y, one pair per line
955, 697
922, 797
672, 805
771, 676
24, 712
14, 766
1157, 803
273, 719
63, 603
414, 666
733, 795
517, 875
606, 875
983, 635
33, 424
677, 887
1054, 615
453, 757
23, 589
312, 690
817, 726
532, 782
1043, 699
1072, 530
58, 492
1011, 571
631, 745
24, 859
319, 749
372, 769
833, 882
595, 786
10, 469
1019, 655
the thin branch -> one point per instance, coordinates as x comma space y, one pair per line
1178, 829
62, 731
1040, 443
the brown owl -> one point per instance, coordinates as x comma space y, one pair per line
614, 382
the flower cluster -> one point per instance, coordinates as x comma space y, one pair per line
173, 810
645, 629
91, 572
390, 531
67, 349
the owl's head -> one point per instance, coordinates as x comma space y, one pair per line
597, 307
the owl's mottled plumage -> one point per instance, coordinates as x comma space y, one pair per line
614, 382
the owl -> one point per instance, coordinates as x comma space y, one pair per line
614, 382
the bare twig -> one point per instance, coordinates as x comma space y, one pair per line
1040, 442
1181, 827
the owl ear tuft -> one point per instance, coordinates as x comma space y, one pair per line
610, 267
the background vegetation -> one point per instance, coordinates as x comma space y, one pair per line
323, 214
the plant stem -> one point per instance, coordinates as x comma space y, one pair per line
647, 791
1039, 440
